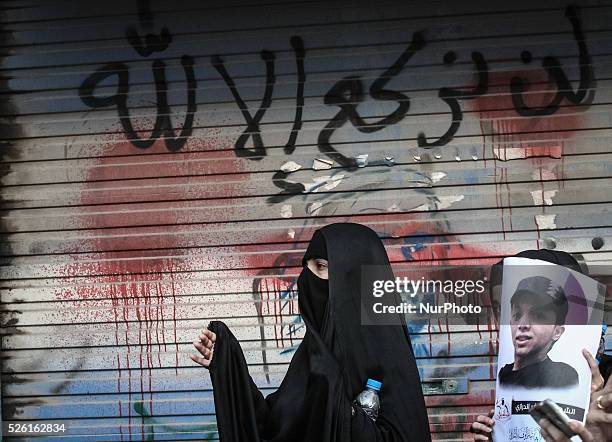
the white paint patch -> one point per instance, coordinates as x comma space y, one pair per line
313, 208
444, 203
508, 153
333, 182
393, 208
457, 158
437, 176
286, 211
291, 233
416, 157
447, 201
325, 182
321, 179
316, 184
545, 197
290, 166
545, 222
321, 164
362, 160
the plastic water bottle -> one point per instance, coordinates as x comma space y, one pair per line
368, 399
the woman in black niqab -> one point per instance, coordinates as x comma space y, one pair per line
331, 365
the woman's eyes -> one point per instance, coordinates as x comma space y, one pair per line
321, 265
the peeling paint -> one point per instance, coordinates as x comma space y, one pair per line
437, 176
326, 182
321, 164
540, 197
546, 222
443, 202
286, 211
290, 166
313, 208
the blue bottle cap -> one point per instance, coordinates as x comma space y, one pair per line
375, 385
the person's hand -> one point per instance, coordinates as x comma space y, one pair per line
550, 433
483, 427
597, 380
205, 344
599, 415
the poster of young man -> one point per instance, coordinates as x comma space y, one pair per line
549, 313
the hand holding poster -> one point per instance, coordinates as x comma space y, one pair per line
549, 313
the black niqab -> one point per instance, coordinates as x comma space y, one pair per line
314, 291
330, 367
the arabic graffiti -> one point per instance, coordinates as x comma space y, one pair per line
452, 96
163, 125
252, 130
552, 66
346, 94
151, 43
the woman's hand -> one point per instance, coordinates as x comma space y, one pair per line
483, 427
206, 347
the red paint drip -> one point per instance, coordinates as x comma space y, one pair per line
127, 359
534, 139
161, 297
120, 415
174, 317
157, 308
509, 201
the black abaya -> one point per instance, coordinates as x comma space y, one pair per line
330, 366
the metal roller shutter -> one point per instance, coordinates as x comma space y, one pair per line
165, 163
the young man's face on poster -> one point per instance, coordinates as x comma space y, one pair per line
537, 314
546, 320
533, 329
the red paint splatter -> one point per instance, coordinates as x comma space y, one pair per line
538, 140
127, 263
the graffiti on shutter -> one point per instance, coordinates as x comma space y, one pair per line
166, 164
